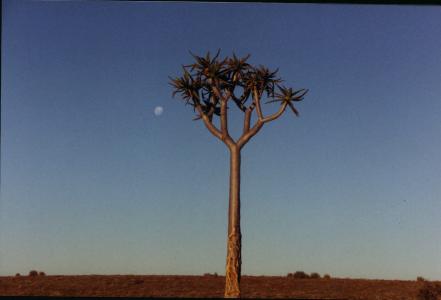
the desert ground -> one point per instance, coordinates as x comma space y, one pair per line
207, 286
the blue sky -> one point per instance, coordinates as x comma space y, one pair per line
92, 182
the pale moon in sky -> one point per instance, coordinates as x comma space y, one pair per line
158, 110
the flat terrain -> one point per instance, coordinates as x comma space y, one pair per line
207, 286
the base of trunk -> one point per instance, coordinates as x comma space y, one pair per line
233, 267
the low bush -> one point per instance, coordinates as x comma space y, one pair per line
300, 275
17, 275
420, 278
34, 273
211, 275
315, 275
289, 275
327, 276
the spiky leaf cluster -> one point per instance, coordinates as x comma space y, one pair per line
210, 80
288, 95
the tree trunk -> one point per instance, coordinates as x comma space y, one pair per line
233, 265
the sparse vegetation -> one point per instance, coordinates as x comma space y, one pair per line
420, 278
327, 276
303, 275
172, 286
41, 274
212, 275
17, 275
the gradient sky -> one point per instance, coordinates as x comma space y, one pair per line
93, 182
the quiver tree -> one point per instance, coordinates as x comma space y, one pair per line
211, 86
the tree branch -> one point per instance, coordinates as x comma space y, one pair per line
224, 118
217, 92
226, 138
277, 114
222, 134
208, 123
257, 103
238, 101
247, 119
249, 134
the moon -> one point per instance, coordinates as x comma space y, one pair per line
158, 110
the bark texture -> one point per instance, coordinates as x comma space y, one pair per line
234, 246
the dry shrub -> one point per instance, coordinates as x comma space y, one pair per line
300, 275
211, 275
41, 274
430, 291
315, 275
17, 275
420, 278
289, 275
327, 276
33, 273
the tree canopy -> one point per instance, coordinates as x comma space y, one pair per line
210, 82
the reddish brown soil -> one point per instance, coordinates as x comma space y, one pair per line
207, 286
